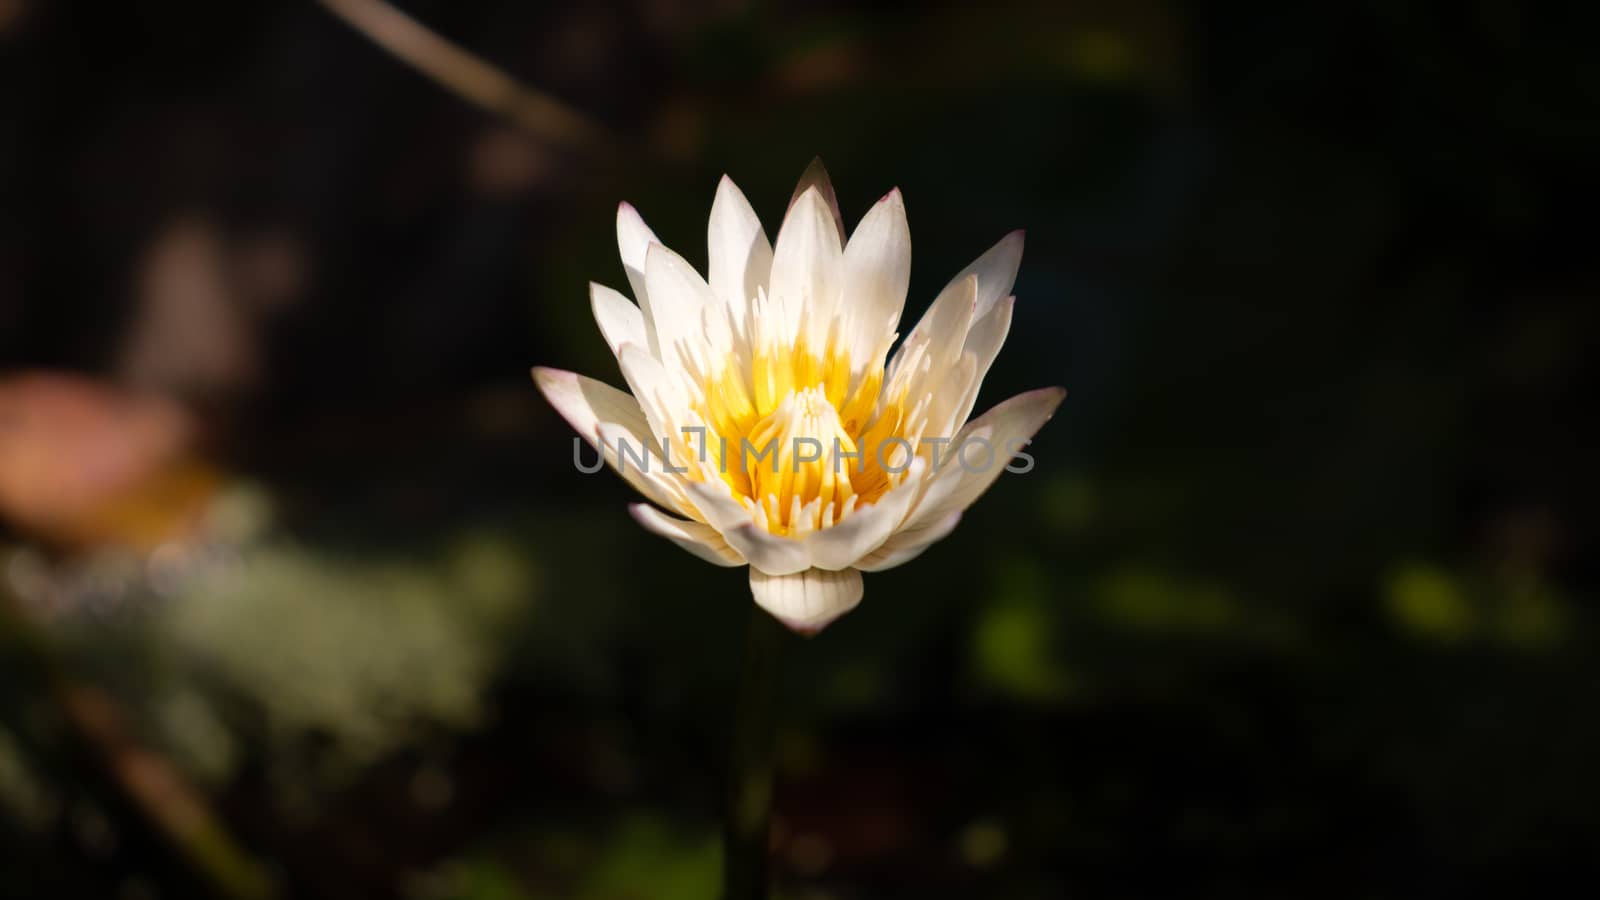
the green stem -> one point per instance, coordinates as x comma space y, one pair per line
749, 810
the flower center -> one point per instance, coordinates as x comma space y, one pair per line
798, 462
789, 431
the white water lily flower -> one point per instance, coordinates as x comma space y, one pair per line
783, 349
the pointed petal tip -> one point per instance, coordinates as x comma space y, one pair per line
812, 193
816, 176
1039, 403
1018, 238
631, 229
544, 375
1051, 395
726, 188
563, 390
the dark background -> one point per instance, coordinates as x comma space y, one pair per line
303, 594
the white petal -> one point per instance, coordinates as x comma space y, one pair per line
989, 332
904, 546
807, 601
715, 501
633, 239
601, 414
947, 409
585, 402
1005, 428
701, 540
935, 344
984, 341
996, 270
740, 255
771, 553
947, 323
841, 545
677, 296
660, 393
767, 552
620, 321
636, 456
877, 269
806, 264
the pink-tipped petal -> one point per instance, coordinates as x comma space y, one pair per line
816, 177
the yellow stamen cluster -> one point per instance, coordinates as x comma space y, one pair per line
786, 434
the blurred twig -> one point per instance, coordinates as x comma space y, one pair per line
468, 76
149, 782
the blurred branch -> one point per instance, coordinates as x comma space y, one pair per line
153, 786
468, 76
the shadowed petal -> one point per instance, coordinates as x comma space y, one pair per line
697, 538
841, 545
716, 503
768, 552
1005, 428
988, 334
936, 343
807, 601
601, 414
904, 546
996, 270
816, 176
